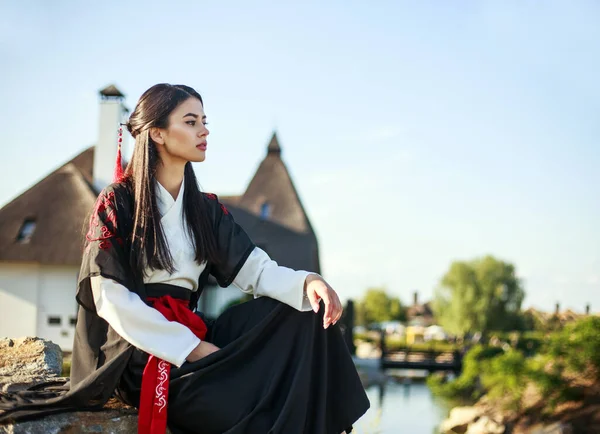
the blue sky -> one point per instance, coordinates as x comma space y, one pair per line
417, 133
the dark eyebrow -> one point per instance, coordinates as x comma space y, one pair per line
194, 115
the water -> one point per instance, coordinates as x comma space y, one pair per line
398, 408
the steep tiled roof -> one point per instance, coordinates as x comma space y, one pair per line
273, 185
58, 206
60, 203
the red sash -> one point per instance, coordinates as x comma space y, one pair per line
152, 415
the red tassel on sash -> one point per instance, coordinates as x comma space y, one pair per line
118, 173
152, 417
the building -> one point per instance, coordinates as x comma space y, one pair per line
434, 333
419, 314
41, 232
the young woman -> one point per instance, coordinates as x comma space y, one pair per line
276, 364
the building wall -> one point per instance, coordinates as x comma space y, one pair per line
56, 302
37, 300
18, 299
31, 295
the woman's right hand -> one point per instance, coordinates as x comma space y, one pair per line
203, 349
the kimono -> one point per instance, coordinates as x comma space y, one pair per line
277, 369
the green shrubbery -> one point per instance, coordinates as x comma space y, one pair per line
467, 387
578, 345
504, 374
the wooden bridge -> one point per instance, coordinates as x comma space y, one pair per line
426, 360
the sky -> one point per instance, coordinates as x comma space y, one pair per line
417, 133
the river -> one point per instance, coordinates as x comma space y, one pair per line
401, 408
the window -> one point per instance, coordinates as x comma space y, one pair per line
265, 210
26, 231
54, 320
73, 321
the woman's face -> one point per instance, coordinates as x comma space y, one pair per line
185, 138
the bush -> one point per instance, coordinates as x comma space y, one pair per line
547, 376
530, 345
578, 345
467, 386
505, 377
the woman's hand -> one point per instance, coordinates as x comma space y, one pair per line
203, 349
317, 289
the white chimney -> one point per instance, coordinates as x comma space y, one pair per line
112, 113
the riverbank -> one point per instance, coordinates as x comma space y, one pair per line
580, 415
552, 386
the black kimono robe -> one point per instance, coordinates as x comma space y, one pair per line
99, 354
277, 370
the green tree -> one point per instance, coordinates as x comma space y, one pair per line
479, 295
378, 306
359, 314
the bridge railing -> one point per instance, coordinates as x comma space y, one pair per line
430, 360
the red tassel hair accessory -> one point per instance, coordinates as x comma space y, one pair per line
118, 174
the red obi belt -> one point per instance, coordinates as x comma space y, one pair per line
152, 415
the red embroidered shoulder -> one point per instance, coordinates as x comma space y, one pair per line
103, 223
214, 197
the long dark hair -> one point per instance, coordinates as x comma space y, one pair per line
149, 245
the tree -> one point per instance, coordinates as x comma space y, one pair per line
479, 295
378, 306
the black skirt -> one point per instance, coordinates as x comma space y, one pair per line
277, 371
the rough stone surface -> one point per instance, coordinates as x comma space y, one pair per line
459, 419
485, 425
112, 421
555, 428
116, 418
28, 361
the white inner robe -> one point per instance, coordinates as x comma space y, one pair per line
147, 329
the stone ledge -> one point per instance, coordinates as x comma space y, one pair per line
28, 361
115, 418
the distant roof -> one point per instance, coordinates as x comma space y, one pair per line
58, 205
419, 310
287, 247
273, 185
111, 91
274, 147
286, 233
230, 200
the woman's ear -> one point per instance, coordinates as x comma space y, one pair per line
157, 136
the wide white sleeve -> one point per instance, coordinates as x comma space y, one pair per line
261, 276
140, 324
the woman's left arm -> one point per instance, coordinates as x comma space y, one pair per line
254, 272
302, 290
